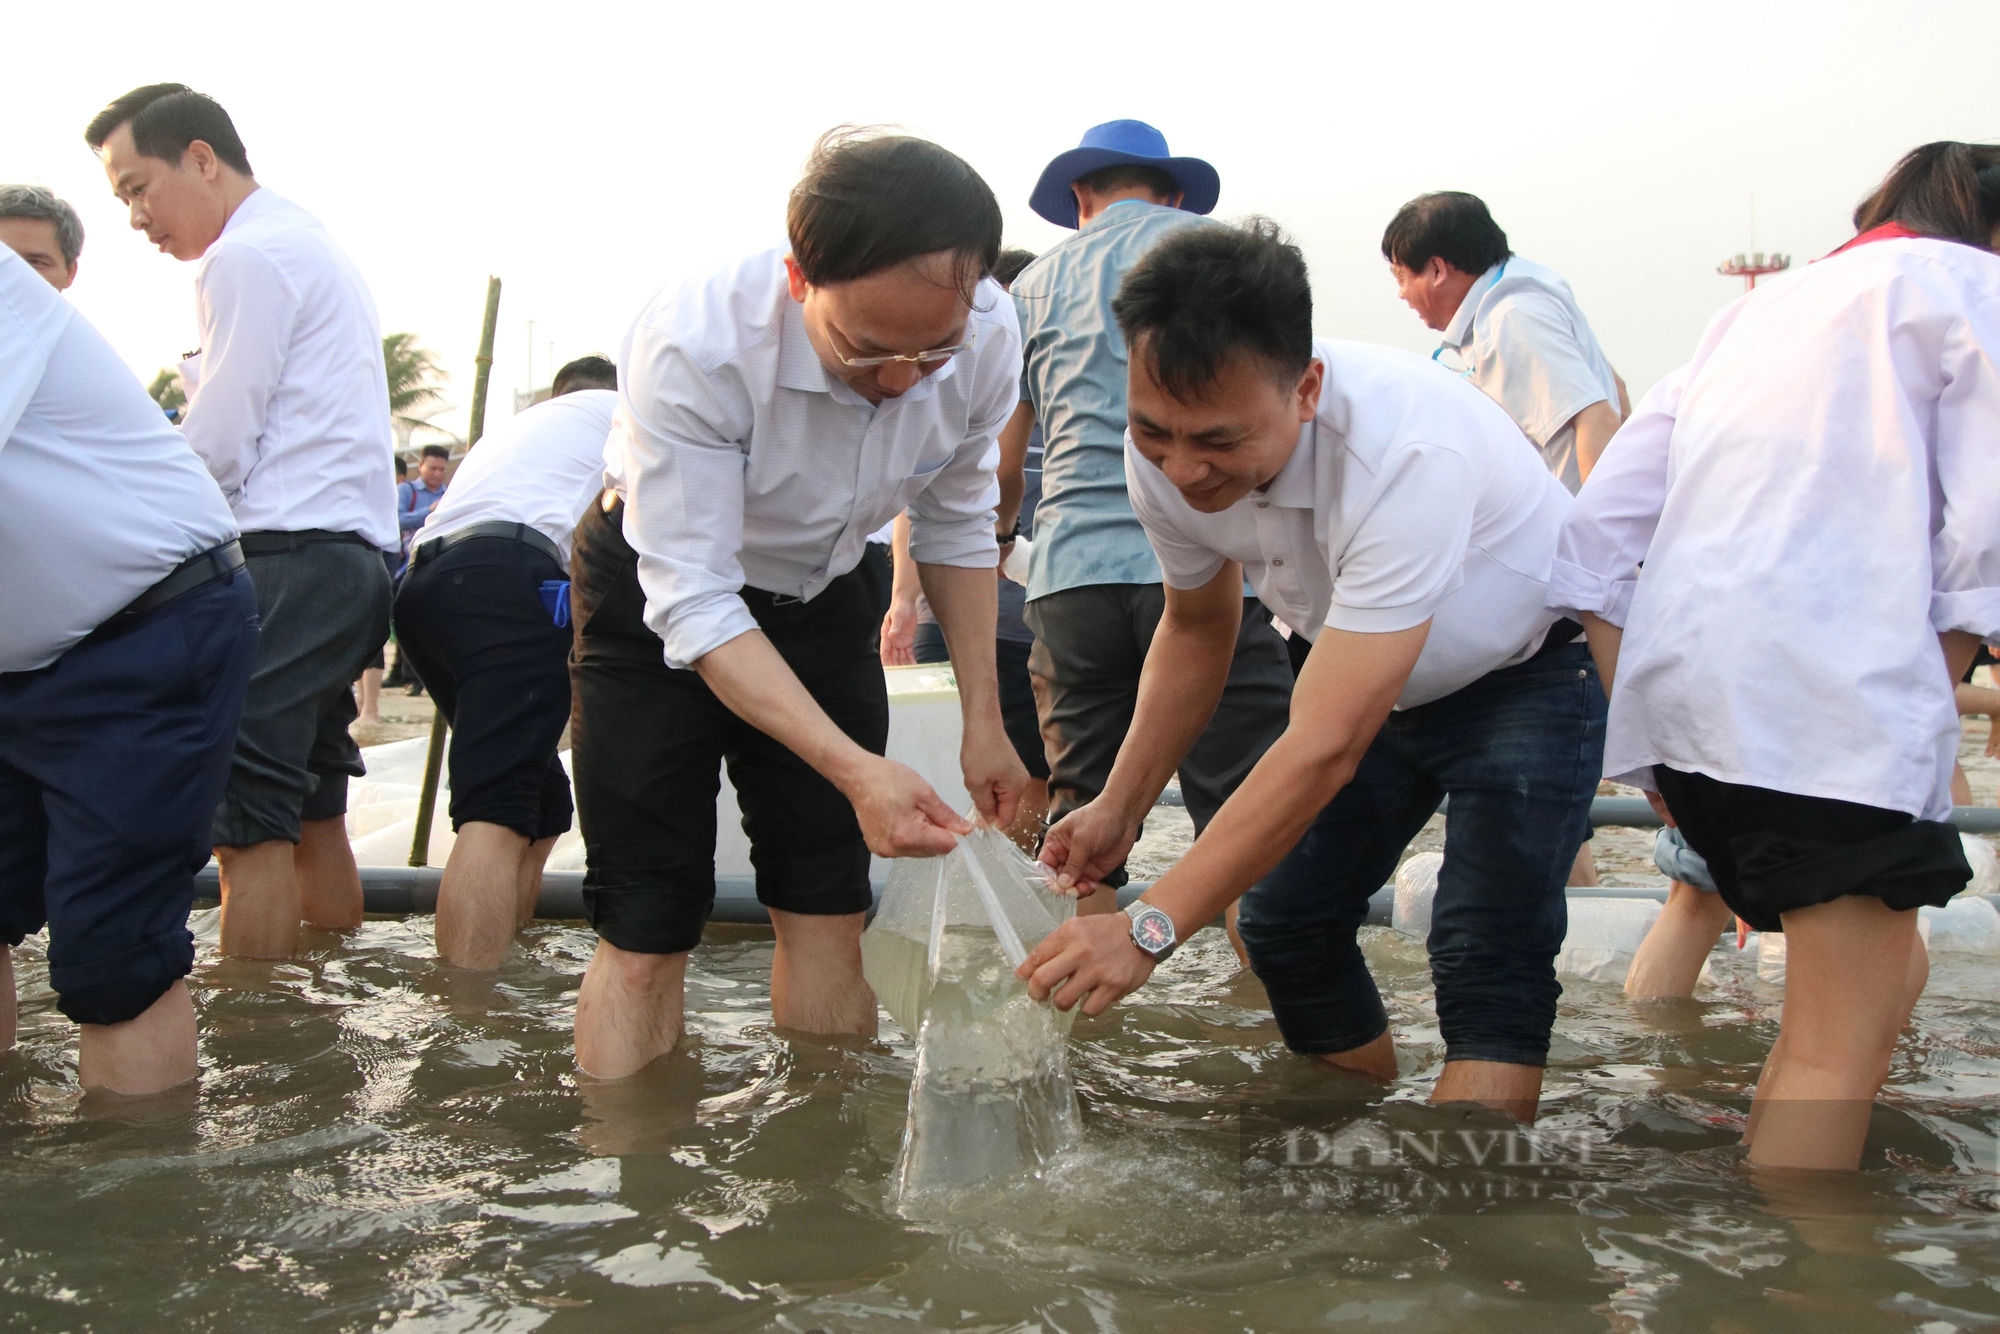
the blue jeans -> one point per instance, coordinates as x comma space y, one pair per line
1518, 752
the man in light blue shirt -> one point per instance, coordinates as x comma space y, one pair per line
1094, 590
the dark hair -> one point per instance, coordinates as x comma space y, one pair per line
39, 202
402, 465
591, 372
437, 452
1947, 190
870, 200
165, 119
1124, 175
1205, 293
1449, 225
1010, 264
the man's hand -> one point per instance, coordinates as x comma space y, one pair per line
1088, 844
900, 814
994, 774
1090, 957
899, 634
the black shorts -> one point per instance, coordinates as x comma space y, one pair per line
1774, 852
112, 759
472, 623
649, 742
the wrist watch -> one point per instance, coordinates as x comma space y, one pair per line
1152, 930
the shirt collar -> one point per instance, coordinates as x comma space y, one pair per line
1296, 483
1459, 332
1130, 206
253, 204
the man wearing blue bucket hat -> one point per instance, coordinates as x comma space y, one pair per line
1095, 600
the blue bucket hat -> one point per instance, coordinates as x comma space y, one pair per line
1116, 143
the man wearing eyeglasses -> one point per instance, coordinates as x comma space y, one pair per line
771, 416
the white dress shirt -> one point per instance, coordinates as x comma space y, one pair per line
1814, 499
1528, 346
288, 404
1409, 498
100, 497
742, 462
544, 469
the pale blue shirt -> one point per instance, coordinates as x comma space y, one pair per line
1074, 373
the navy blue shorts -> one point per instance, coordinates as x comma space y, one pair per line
472, 623
1519, 752
112, 760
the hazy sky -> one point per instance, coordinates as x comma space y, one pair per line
589, 153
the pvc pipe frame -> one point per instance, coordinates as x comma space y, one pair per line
399, 890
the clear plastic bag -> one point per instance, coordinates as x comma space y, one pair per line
991, 1094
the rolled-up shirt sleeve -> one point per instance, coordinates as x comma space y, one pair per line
1184, 564
952, 518
1407, 554
1534, 365
1965, 554
246, 309
679, 429
1611, 525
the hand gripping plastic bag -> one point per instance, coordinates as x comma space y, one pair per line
991, 1094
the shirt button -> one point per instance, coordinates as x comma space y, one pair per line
1263, 504
1277, 562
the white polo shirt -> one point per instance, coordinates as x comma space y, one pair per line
1409, 498
742, 462
544, 468
288, 402
1812, 508
1529, 347
100, 497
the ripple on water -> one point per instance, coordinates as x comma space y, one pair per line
380, 1143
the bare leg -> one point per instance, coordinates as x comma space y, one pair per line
329, 883
628, 1012
1513, 1089
8, 1004
1583, 871
370, 694
148, 1054
1961, 786
529, 888
1843, 1012
478, 897
260, 900
816, 982
1670, 958
1229, 916
1376, 1059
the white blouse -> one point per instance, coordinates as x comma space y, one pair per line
1813, 500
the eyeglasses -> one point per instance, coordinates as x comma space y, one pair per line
930, 358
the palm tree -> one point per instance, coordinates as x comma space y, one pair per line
167, 389
413, 382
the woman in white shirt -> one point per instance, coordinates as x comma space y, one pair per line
1826, 475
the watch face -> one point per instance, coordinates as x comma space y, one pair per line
1153, 930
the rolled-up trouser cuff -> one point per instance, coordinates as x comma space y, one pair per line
647, 916
826, 883
122, 986
1481, 1051
1324, 999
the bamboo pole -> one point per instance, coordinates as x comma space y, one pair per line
420, 846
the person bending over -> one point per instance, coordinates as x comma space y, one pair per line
1391, 514
1825, 477
128, 648
484, 617
288, 405
771, 415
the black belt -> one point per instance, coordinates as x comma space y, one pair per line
1561, 635
210, 566
272, 543
519, 532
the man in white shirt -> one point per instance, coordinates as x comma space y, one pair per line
771, 415
288, 405
1387, 511
130, 633
484, 616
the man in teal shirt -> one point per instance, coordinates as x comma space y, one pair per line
1094, 590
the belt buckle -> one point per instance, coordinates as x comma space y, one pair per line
784, 600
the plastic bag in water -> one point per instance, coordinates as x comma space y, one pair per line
1604, 937
1416, 887
991, 1095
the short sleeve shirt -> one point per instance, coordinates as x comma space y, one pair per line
1408, 498
1529, 347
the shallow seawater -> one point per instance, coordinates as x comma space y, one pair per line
377, 1144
